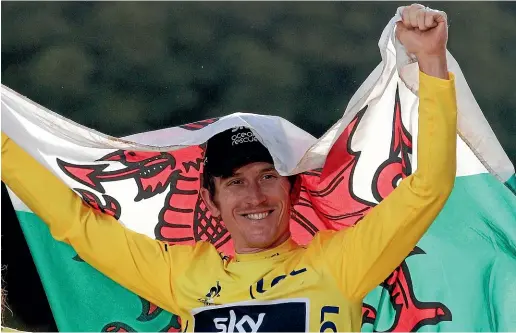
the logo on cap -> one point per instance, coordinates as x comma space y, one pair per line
242, 137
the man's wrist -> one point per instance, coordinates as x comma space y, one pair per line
434, 65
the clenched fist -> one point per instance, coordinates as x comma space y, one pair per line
424, 33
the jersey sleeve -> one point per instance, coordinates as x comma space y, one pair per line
143, 265
361, 257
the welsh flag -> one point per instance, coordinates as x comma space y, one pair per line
460, 277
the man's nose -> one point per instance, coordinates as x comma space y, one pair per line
255, 195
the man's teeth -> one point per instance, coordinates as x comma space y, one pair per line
257, 216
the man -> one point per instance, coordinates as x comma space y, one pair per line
272, 284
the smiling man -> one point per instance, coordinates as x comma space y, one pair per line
241, 185
272, 284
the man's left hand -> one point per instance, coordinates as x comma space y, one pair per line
424, 33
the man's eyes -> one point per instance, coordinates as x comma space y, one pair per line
235, 182
269, 176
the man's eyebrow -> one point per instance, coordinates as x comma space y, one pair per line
267, 169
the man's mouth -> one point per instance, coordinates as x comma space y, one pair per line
257, 216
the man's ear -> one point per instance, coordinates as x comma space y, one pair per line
212, 206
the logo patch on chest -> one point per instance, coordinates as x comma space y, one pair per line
263, 285
210, 296
289, 315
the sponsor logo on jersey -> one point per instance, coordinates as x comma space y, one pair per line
289, 315
210, 296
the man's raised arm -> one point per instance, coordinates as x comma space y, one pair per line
361, 257
137, 262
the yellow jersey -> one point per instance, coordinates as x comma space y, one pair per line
318, 287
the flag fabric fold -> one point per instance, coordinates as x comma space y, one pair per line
460, 277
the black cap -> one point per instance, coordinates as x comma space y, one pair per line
232, 149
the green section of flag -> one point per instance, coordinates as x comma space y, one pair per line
464, 281
81, 298
469, 264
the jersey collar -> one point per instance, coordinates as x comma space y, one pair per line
279, 250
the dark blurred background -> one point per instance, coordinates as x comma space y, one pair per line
128, 67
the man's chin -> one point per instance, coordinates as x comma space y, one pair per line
264, 242
260, 242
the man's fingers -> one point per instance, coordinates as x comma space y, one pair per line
439, 16
434, 17
422, 18
421, 21
429, 19
413, 18
410, 15
405, 17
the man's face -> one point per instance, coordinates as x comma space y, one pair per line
254, 204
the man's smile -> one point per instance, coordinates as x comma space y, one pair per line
259, 215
